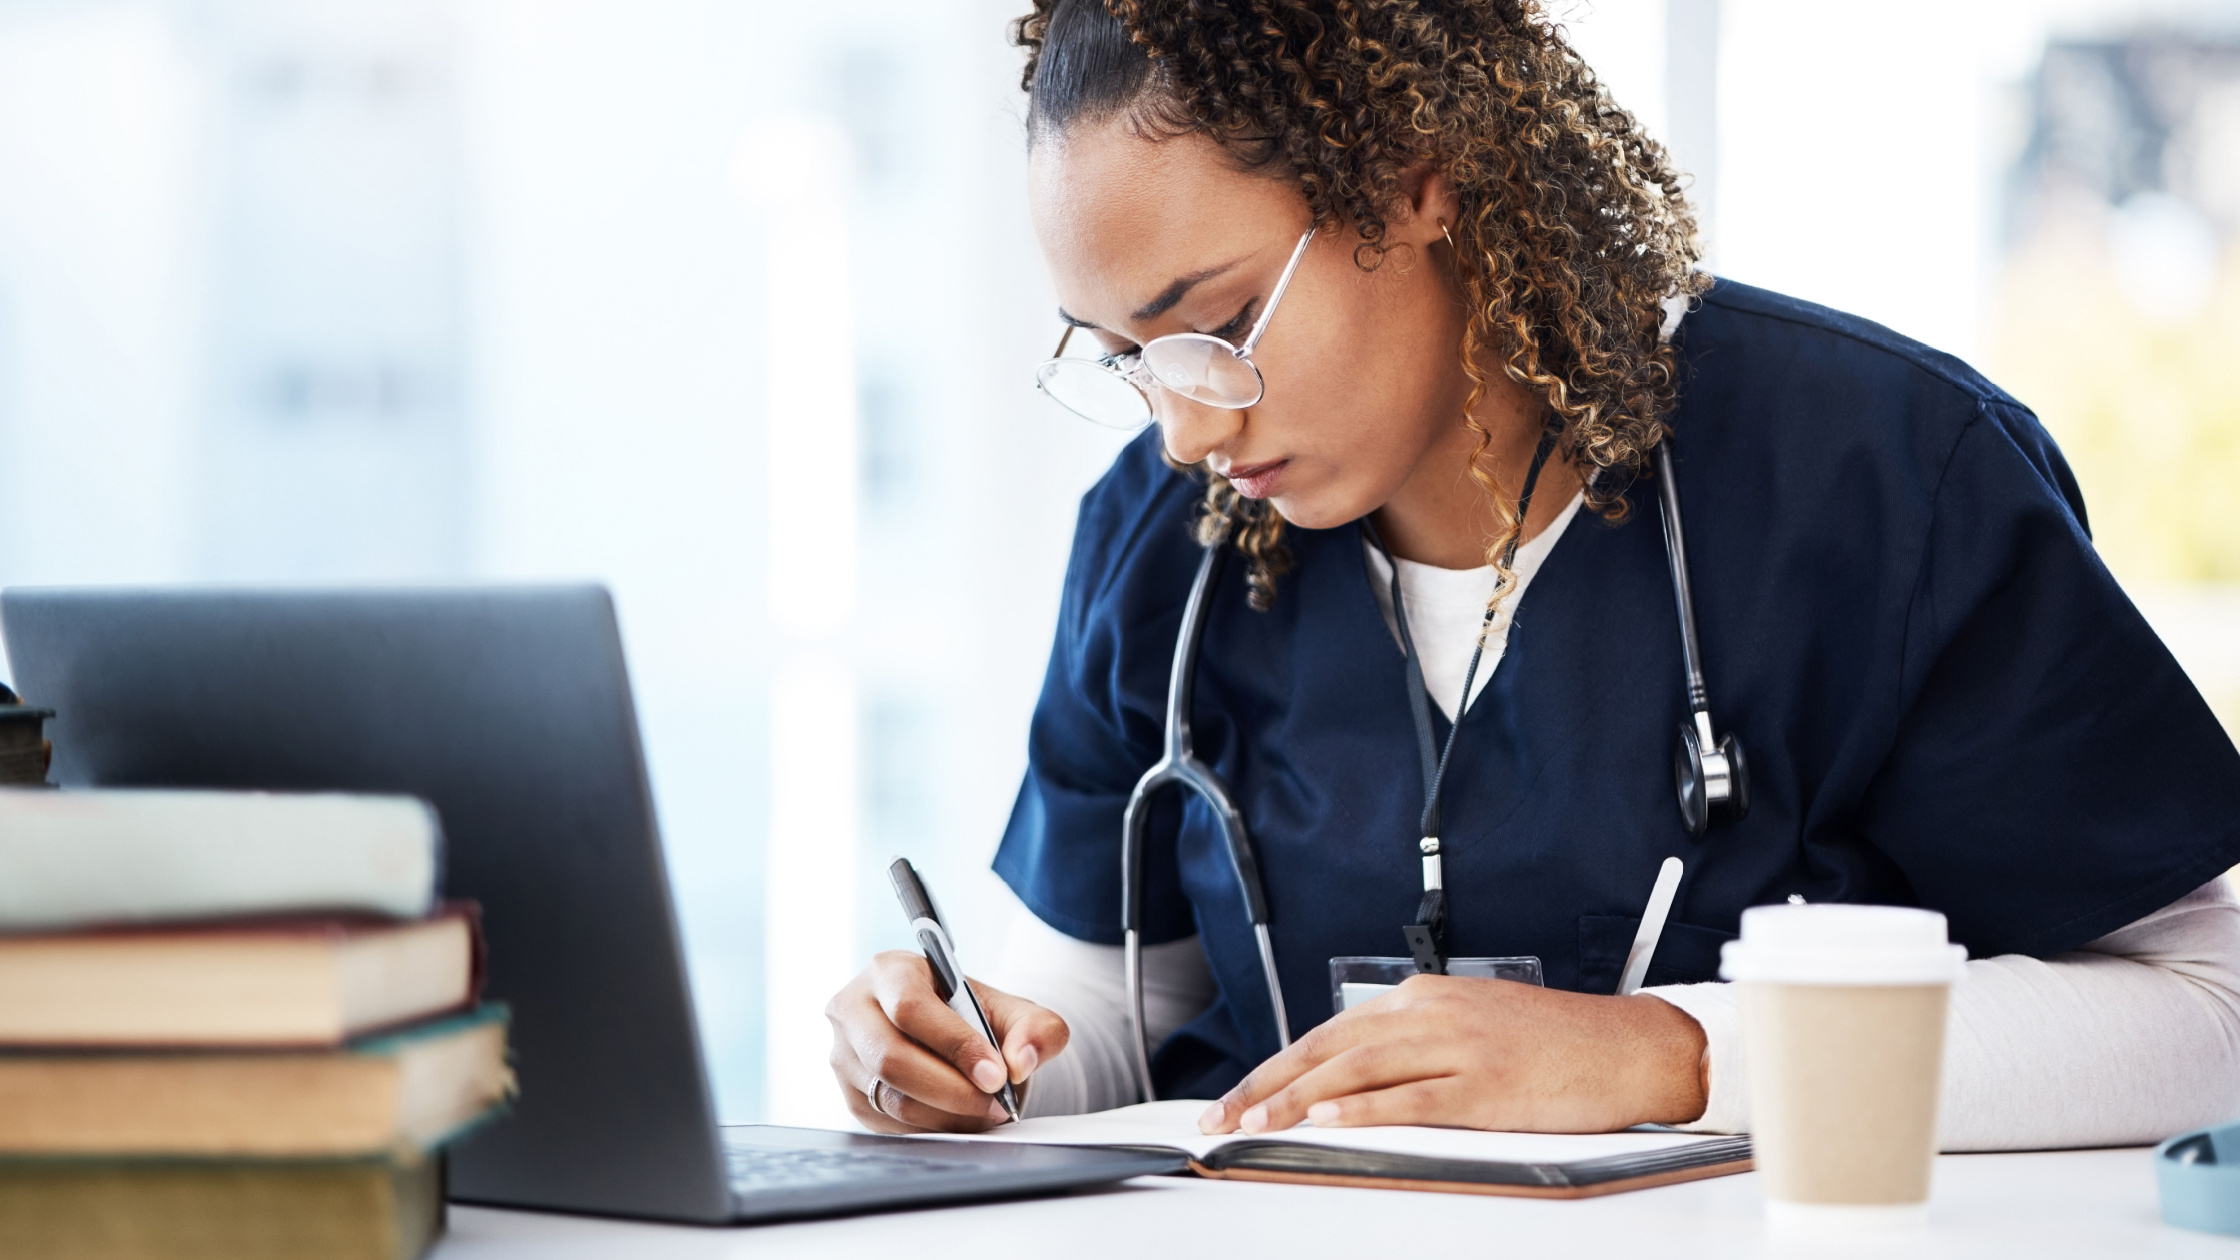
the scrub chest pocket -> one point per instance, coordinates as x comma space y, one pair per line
1686, 954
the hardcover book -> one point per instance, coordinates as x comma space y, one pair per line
88, 1209
96, 857
397, 1093
315, 982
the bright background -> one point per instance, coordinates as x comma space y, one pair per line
732, 306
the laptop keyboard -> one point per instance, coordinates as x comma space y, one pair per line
759, 1169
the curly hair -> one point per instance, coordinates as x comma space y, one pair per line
1573, 228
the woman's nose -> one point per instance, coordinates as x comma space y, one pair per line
1193, 430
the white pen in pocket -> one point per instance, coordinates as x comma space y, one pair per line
1652, 926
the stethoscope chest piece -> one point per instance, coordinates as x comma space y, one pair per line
1706, 775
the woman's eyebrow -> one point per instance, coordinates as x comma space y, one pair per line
1172, 294
1167, 298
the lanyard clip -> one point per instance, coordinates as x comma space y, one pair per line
1424, 943
1427, 936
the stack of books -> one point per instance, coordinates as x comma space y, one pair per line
233, 1024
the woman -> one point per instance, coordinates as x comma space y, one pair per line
1489, 321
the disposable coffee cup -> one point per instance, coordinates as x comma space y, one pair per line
1843, 1018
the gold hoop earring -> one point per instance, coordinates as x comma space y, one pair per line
1449, 235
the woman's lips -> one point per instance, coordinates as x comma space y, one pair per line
1257, 481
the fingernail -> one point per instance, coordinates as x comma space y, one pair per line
1255, 1119
988, 1075
996, 1111
1210, 1120
1028, 1061
1323, 1113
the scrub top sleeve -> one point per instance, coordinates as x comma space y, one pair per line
2055, 775
1096, 725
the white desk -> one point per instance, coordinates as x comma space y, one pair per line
2042, 1206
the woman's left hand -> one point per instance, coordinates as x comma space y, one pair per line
1480, 1054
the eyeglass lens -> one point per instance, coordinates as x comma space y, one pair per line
1203, 369
1094, 392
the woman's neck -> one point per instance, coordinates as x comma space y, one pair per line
1440, 516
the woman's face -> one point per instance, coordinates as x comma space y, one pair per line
1364, 379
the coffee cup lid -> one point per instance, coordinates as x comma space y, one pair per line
1842, 944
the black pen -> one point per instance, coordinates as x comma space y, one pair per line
941, 955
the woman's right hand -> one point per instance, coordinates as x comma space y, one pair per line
932, 1068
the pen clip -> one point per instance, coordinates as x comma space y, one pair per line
941, 955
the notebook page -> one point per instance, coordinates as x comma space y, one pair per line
1174, 1123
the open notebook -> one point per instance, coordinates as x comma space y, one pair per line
1464, 1161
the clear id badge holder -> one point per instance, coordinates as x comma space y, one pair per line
1354, 980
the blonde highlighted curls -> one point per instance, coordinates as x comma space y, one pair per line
1573, 227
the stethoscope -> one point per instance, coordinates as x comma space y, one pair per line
1708, 770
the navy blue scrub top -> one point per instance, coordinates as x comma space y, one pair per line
1945, 701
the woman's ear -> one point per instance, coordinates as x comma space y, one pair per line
1430, 203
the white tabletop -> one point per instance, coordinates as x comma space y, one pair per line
2041, 1205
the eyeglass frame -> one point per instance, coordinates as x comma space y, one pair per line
1138, 372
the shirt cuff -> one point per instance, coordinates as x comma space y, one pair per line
1727, 1101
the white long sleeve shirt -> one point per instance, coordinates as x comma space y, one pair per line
2126, 1041
2129, 1039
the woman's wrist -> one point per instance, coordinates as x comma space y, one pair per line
1675, 1064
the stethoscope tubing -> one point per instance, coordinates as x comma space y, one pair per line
1178, 766
1683, 593
1717, 767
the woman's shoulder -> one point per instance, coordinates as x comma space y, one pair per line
1741, 318
1817, 396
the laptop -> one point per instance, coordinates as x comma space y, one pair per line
510, 711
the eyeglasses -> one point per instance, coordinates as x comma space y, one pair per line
1111, 389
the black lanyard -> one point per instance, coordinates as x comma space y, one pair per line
1427, 936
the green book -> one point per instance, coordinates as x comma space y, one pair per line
409, 1090
366, 1209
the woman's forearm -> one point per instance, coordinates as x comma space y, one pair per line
2126, 1041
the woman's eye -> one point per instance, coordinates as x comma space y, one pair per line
1235, 328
